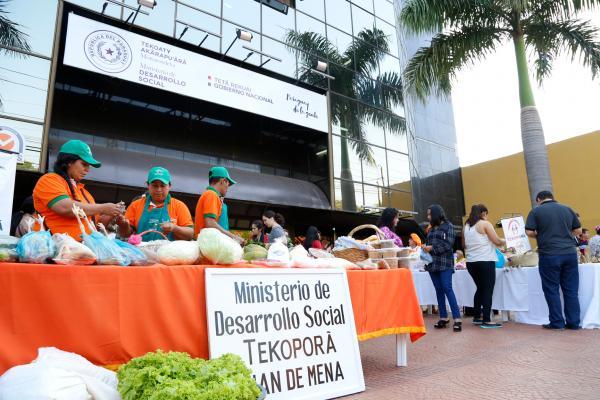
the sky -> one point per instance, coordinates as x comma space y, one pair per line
486, 104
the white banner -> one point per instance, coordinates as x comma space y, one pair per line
514, 233
8, 169
115, 52
294, 328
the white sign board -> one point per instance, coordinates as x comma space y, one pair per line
294, 329
514, 233
13, 142
115, 52
8, 169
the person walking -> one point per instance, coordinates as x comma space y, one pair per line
480, 241
555, 226
440, 244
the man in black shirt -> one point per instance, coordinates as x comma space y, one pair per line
556, 226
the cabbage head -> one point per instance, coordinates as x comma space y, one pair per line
218, 248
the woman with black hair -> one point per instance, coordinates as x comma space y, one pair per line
440, 245
56, 192
275, 222
387, 224
257, 233
312, 239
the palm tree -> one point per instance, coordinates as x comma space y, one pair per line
385, 92
470, 30
11, 38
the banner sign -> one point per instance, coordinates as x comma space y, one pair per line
514, 233
13, 142
294, 329
8, 169
115, 52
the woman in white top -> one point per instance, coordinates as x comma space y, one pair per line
480, 241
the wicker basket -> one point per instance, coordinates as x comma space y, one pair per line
357, 255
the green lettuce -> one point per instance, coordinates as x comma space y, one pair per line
177, 376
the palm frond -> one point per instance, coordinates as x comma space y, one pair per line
312, 45
369, 50
10, 34
423, 16
433, 68
576, 38
392, 123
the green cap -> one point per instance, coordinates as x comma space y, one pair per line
80, 149
220, 172
159, 174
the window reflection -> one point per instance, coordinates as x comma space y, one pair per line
390, 35
348, 195
400, 200
366, 4
373, 127
399, 170
237, 50
375, 170
316, 8
349, 168
338, 14
361, 20
375, 196
245, 13
287, 66
212, 6
385, 9
276, 24
305, 23
397, 139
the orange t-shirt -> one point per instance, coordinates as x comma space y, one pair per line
178, 212
209, 205
50, 189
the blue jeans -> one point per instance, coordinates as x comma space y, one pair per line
442, 281
561, 271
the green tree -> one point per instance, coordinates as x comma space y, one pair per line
11, 37
364, 55
470, 30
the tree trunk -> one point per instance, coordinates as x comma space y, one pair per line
347, 186
537, 166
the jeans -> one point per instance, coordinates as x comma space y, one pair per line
561, 271
484, 276
442, 281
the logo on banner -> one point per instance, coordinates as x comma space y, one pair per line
12, 141
107, 51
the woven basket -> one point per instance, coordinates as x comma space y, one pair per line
527, 259
357, 255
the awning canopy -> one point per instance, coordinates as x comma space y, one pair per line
130, 168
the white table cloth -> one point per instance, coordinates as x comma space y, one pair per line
519, 290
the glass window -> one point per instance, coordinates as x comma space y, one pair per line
344, 81
212, 6
400, 200
245, 13
375, 196
341, 41
361, 20
237, 50
389, 63
287, 66
350, 169
348, 195
24, 86
372, 120
338, 14
344, 115
398, 167
385, 9
201, 20
366, 4
375, 173
314, 8
396, 140
366, 58
36, 21
276, 24
307, 24
33, 141
160, 18
391, 36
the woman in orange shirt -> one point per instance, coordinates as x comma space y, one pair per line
56, 192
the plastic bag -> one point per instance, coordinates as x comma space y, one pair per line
426, 257
219, 248
71, 252
8, 255
106, 250
136, 256
36, 247
56, 374
298, 252
279, 252
254, 252
179, 252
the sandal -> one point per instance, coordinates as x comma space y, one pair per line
442, 323
457, 326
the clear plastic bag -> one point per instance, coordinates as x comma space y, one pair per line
36, 247
106, 250
136, 256
71, 252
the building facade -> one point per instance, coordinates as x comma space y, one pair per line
381, 149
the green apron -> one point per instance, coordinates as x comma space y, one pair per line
151, 220
224, 218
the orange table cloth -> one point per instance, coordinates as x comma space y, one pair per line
112, 314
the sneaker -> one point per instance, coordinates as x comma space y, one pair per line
552, 327
573, 327
477, 321
490, 325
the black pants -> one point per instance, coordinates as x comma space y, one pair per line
484, 275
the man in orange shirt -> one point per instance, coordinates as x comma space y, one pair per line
56, 192
210, 207
158, 211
